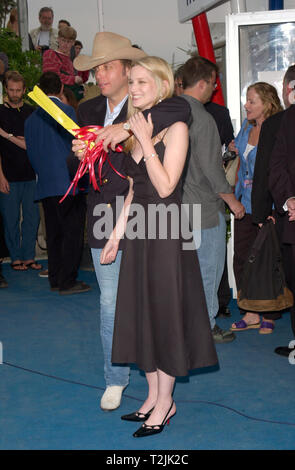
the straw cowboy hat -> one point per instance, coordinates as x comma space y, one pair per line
107, 47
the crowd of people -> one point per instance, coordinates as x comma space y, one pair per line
18, 170
158, 301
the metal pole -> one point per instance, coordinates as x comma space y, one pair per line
100, 15
22, 10
238, 6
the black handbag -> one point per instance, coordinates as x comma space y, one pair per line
263, 283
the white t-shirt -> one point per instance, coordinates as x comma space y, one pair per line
43, 38
111, 116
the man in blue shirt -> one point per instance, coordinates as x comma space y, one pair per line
48, 146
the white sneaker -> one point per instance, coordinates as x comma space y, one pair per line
43, 273
111, 398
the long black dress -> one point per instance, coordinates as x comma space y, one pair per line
161, 315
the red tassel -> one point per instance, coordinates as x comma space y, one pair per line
95, 155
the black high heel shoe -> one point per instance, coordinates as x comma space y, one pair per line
137, 416
149, 430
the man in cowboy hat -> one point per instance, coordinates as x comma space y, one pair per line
111, 59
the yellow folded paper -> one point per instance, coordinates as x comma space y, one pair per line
58, 114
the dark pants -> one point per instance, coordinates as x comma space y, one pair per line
3, 248
245, 233
64, 236
224, 293
20, 235
289, 267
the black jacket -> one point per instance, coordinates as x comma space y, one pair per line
261, 198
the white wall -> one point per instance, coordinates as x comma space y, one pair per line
217, 14
152, 24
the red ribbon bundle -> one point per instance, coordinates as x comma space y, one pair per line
93, 156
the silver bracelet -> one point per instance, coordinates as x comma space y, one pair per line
145, 159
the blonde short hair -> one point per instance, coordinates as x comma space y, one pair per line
161, 71
269, 97
67, 32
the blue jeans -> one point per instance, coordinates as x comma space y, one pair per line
20, 239
211, 255
107, 277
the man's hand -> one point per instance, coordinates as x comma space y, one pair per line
291, 204
4, 185
235, 206
291, 209
78, 148
237, 209
4, 134
112, 135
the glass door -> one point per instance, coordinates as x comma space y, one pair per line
259, 47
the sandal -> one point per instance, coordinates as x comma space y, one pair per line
242, 325
20, 266
266, 325
33, 265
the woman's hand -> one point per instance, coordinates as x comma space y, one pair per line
232, 147
270, 217
141, 128
109, 252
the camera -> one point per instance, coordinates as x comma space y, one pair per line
228, 156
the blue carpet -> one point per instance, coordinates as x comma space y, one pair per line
51, 381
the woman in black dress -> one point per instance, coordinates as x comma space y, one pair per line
161, 322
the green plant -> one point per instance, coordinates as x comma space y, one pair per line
27, 63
